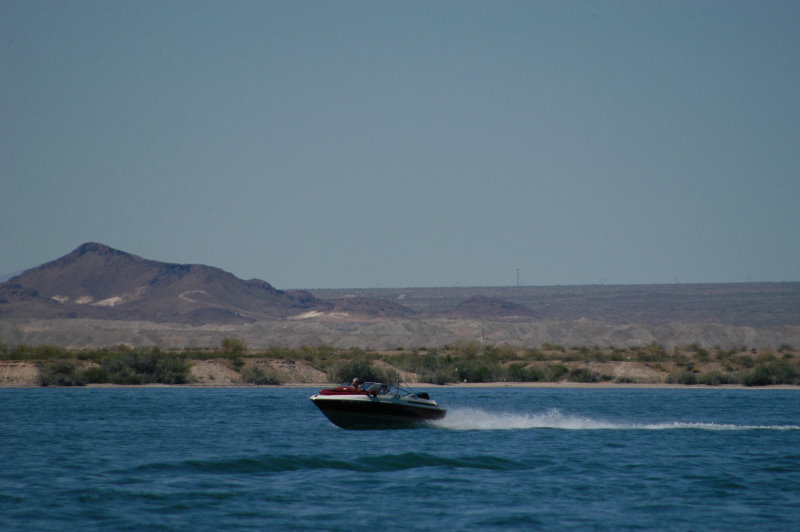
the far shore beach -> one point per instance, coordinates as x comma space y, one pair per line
583, 385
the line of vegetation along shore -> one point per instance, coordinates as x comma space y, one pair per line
462, 362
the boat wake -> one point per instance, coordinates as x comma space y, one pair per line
477, 419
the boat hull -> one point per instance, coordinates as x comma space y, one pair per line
364, 412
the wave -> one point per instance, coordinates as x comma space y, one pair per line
365, 464
477, 419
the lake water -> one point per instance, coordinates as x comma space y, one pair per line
267, 459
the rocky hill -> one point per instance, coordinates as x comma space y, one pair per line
98, 296
99, 282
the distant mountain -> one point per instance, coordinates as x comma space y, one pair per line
740, 304
6, 276
154, 303
368, 306
97, 281
481, 306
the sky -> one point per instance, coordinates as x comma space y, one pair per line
359, 144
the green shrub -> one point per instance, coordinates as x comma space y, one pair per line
419, 363
534, 374
442, 376
521, 373
758, 376
516, 372
61, 373
429, 367
171, 369
786, 373
716, 378
776, 372
143, 367
256, 375
233, 347
119, 370
765, 356
467, 348
534, 354
652, 352
554, 372
581, 375
479, 370
681, 377
500, 353
347, 370
95, 375
318, 354
616, 355
724, 354
597, 354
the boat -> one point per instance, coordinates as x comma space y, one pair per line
377, 405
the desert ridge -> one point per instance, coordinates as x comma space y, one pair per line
99, 296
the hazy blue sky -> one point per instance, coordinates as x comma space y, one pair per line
369, 143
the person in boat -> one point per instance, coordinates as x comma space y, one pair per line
356, 383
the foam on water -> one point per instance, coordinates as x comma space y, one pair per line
477, 419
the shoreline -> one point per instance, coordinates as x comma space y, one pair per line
292, 373
465, 385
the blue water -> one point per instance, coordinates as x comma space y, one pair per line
267, 459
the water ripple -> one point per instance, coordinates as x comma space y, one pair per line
378, 463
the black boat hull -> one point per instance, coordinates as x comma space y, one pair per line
377, 414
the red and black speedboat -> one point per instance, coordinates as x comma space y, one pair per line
375, 405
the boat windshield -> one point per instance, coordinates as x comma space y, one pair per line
384, 389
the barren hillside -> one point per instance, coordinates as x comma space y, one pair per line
97, 296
